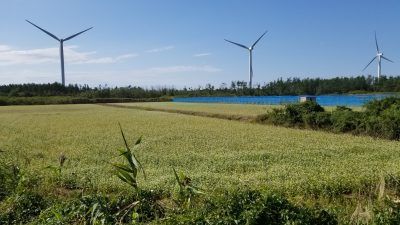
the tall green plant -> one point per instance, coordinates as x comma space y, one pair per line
128, 171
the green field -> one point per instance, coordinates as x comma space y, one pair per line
217, 154
225, 109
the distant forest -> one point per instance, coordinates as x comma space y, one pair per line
290, 86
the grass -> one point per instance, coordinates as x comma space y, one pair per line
225, 109
216, 154
245, 110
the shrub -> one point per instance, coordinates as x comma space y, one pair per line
22, 207
374, 126
318, 120
376, 107
3, 102
346, 121
9, 177
380, 119
384, 125
251, 207
24, 204
389, 214
293, 115
343, 108
262, 118
310, 106
100, 209
391, 122
278, 210
277, 117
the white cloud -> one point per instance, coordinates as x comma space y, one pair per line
11, 56
176, 69
108, 59
4, 48
202, 54
162, 49
180, 75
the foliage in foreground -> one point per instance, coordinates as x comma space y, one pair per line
251, 207
128, 172
381, 118
154, 206
23, 202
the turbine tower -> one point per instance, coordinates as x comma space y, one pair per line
250, 49
61, 46
379, 56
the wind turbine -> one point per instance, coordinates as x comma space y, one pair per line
379, 56
250, 49
61, 46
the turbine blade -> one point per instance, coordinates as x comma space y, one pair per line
258, 39
369, 63
240, 45
72, 36
376, 43
387, 59
50, 34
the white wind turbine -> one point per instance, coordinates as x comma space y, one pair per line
250, 49
61, 46
379, 56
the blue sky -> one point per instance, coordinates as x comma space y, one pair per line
181, 43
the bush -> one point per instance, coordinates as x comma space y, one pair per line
380, 119
374, 126
100, 209
293, 115
9, 177
346, 121
24, 204
251, 207
318, 120
383, 120
276, 117
278, 210
390, 214
390, 120
343, 108
22, 207
310, 106
377, 107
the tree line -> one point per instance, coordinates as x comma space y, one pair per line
290, 86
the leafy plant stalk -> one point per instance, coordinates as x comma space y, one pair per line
128, 171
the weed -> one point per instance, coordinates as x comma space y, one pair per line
9, 178
187, 191
251, 207
128, 172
